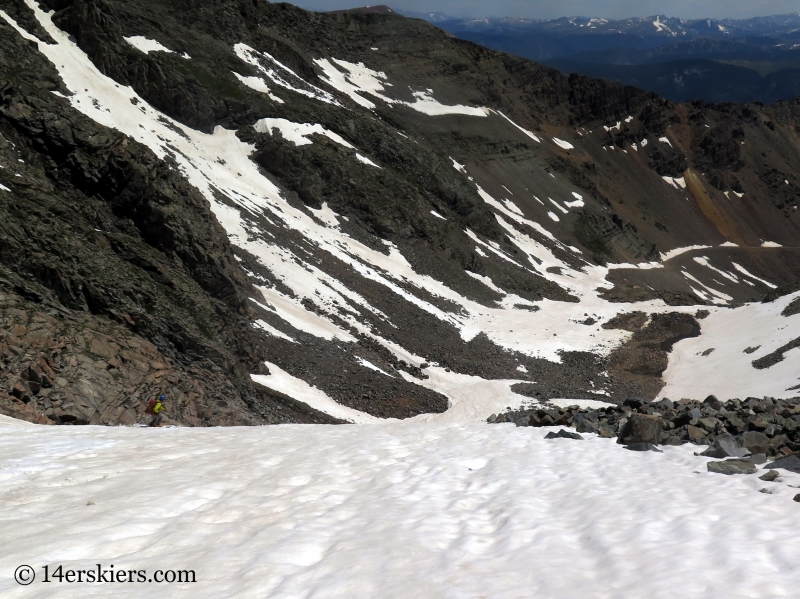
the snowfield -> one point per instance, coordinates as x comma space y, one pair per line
385, 511
728, 368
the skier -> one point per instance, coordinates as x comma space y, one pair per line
156, 408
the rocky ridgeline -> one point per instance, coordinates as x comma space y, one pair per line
747, 431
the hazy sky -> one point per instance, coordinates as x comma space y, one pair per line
547, 9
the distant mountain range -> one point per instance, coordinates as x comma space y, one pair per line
713, 60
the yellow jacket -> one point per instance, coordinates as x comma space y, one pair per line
159, 407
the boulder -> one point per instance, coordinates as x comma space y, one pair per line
725, 446
769, 476
777, 442
664, 404
643, 447
756, 442
606, 432
641, 428
733, 466
735, 424
712, 401
633, 403
695, 433
562, 434
791, 463
708, 424
672, 440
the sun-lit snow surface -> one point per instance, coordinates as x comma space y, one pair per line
145, 45
219, 164
280, 74
281, 381
259, 85
389, 511
676, 182
678, 251
533, 136
563, 144
355, 80
728, 370
298, 133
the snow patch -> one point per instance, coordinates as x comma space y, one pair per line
559, 206
281, 381
260, 324
259, 85
426, 104
578, 203
703, 260
716, 297
356, 79
281, 75
745, 272
483, 278
513, 207
367, 161
728, 372
293, 312
563, 144
371, 366
298, 133
145, 45
678, 251
533, 136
